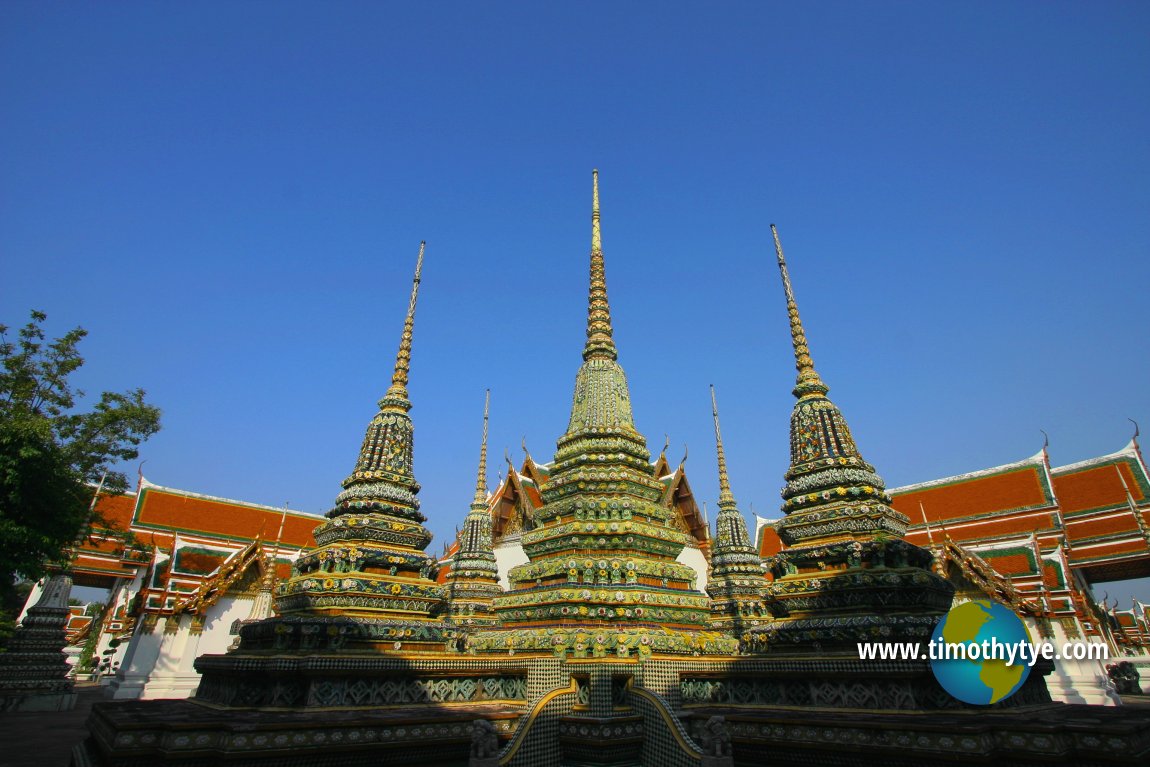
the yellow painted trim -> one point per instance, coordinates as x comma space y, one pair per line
521, 734
689, 747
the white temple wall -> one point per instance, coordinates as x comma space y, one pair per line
692, 556
1075, 681
174, 674
139, 660
217, 636
508, 553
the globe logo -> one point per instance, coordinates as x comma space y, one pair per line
980, 678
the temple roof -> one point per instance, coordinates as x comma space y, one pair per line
165, 508
1094, 484
1021, 485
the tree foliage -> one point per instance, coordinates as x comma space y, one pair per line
51, 452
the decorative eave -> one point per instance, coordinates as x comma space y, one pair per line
983, 576
213, 588
679, 497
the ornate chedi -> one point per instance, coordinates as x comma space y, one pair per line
34, 669
602, 578
846, 572
736, 580
369, 564
473, 581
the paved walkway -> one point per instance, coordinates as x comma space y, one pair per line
42, 739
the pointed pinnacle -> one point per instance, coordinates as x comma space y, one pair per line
481, 480
726, 497
596, 236
398, 388
599, 344
808, 381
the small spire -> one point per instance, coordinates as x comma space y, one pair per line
596, 236
398, 389
599, 344
808, 379
726, 497
925, 521
481, 479
1142, 526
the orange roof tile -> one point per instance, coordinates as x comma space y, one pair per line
769, 541
1111, 524
116, 510
1019, 488
166, 509
1096, 487
989, 528
1009, 564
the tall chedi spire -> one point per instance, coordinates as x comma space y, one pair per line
736, 579
602, 577
840, 531
370, 561
474, 578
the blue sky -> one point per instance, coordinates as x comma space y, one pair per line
230, 198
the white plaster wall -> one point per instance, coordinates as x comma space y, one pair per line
217, 636
508, 554
693, 557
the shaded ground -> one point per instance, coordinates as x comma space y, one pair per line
45, 739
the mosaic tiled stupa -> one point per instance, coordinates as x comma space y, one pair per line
473, 581
846, 574
736, 580
602, 578
369, 564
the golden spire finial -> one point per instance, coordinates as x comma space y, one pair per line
726, 497
808, 379
481, 479
398, 388
599, 343
596, 236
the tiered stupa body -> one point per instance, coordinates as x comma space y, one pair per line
846, 573
736, 580
473, 581
602, 578
369, 564
34, 669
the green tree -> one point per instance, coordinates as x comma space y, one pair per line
51, 453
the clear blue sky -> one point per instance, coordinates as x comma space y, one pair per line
230, 198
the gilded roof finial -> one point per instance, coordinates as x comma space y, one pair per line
481, 479
599, 343
808, 381
726, 497
398, 388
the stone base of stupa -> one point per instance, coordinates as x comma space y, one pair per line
46, 700
548, 711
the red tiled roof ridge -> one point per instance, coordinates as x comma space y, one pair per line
146, 485
1129, 451
1037, 460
